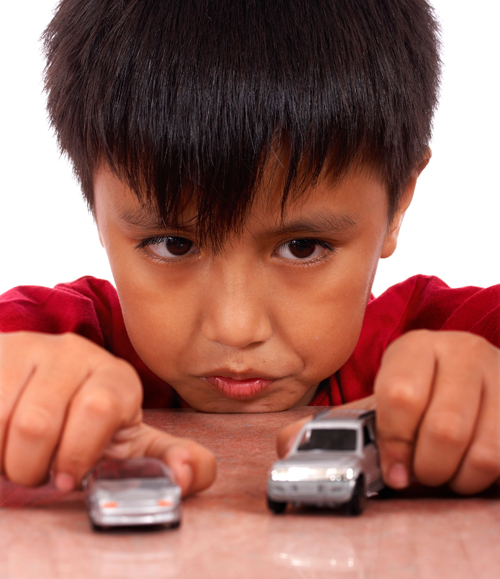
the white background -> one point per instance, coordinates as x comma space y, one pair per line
451, 230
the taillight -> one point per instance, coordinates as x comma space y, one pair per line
108, 504
165, 503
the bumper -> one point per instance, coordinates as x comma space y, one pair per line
123, 518
321, 493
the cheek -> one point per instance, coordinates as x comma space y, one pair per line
157, 317
329, 331
328, 324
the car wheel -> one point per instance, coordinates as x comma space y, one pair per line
357, 503
277, 507
176, 524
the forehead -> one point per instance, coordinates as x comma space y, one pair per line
323, 205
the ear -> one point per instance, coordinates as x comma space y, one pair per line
391, 238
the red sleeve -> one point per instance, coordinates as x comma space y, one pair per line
90, 308
417, 303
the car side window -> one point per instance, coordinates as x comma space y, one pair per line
367, 436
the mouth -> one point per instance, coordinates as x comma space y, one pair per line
243, 388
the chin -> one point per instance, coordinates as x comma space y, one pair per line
241, 406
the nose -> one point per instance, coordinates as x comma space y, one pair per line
236, 313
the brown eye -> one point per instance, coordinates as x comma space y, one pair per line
302, 248
306, 250
178, 246
168, 248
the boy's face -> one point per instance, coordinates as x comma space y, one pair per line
256, 327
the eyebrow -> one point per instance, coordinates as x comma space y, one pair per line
318, 223
145, 220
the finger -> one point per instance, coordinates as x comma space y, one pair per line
193, 466
402, 390
449, 422
16, 368
38, 417
109, 399
481, 465
287, 436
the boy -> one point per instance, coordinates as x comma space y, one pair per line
247, 163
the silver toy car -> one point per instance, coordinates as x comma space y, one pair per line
334, 461
137, 491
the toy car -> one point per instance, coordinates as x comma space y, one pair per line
137, 491
333, 462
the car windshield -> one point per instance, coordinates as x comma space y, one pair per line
112, 469
337, 439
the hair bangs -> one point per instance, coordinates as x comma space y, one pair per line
188, 101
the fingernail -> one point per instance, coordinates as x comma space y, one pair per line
398, 476
64, 482
184, 476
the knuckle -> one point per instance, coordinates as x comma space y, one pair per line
421, 336
477, 346
69, 344
465, 346
485, 458
127, 381
126, 369
98, 404
12, 342
415, 339
34, 424
7, 337
399, 394
447, 430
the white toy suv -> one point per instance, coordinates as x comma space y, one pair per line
333, 462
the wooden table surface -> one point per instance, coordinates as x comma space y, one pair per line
227, 531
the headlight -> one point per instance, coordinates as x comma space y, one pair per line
293, 473
339, 474
296, 474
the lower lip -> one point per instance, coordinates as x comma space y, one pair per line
238, 389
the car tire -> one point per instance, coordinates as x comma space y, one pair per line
277, 507
357, 504
176, 524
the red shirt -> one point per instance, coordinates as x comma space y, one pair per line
90, 307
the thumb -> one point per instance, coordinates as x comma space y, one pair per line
287, 436
192, 465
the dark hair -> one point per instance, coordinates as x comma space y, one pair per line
187, 100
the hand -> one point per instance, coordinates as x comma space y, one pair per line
438, 411
66, 402
437, 396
